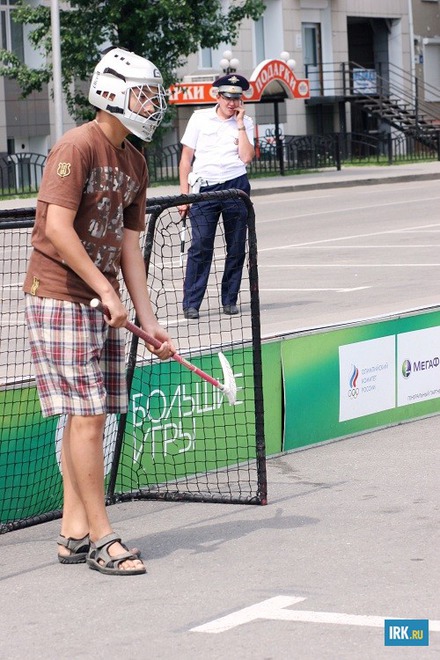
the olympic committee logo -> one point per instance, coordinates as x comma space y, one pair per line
406, 369
353, 391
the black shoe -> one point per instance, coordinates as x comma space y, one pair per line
191, 313
230, 309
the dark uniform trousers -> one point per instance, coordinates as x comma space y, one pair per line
204, 217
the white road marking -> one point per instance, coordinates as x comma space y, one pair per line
273, 609
354, 265
403, 230
364, 247
302, 195
338, 289
428, 231
263, 610
348, 208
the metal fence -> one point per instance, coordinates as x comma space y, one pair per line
285, 154
21, 173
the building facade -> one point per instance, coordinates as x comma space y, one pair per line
340, 46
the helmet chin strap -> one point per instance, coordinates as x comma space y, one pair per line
114, 109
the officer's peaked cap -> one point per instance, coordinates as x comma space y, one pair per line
232, 85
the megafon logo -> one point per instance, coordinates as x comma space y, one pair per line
422, 365
353, 392
406, 369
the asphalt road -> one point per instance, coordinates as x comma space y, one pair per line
335, 255
350, 536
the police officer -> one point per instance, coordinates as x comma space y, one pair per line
217, 147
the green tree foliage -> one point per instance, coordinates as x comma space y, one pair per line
164, 31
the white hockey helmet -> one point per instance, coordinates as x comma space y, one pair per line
131, 88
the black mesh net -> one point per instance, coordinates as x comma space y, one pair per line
181, 438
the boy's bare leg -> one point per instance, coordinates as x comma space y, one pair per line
83, 479
74, 522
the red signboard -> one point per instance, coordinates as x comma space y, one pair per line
267, 72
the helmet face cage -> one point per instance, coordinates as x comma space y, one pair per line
129, 87
144, 105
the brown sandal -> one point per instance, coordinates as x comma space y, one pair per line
78, 549
98, 557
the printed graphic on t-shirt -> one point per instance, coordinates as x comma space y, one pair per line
103, 256
105, 187
106, 228
112, 179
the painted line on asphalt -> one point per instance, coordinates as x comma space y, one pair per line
274, 609
337, 289
366, 247
388, 232
350, 209
403, 265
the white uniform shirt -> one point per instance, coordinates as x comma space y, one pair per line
215, 144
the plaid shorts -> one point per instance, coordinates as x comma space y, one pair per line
79, 360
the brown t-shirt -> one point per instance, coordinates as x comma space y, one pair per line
106, 186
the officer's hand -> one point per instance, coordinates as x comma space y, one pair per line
183, 209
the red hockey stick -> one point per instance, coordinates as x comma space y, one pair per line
229, 387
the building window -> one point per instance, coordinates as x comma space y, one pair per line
206, 58
11, 33
260, 51
431, 59
269, 33
310, 37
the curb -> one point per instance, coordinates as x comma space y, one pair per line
345, 183
275, 188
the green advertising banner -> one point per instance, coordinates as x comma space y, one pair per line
336, 382
179, 425
30, 480
273, 396
351, 379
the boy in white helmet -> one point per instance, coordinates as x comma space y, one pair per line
90, 212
